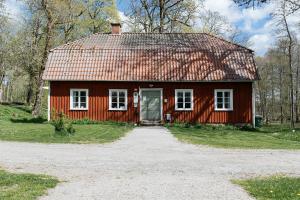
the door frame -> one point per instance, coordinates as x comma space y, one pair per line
161, 100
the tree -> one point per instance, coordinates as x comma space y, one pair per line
3, 35
98, 14
294, 5
282, 15
162, 15
47, 7
297, 84
249, 3
214, 23
54, 22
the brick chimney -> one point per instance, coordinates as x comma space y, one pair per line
116, 28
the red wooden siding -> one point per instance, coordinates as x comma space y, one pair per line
203, 111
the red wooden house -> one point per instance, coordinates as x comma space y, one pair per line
151, 77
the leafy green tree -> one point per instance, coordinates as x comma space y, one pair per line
162, 15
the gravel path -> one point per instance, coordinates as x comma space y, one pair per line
148, 163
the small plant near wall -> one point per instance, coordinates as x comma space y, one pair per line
62, 125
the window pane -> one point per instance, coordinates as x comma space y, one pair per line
83, 93
227, 100
219, 94
122, 94
180, 100
227, 94
179, 94
75, 105
122, 105
114, 105
83, 99
114, 94
76, 99
187, 94
187, 105
188, 100
114, 99
220, 105
82, 105
219, 100
122, 100
180, 105
227, 105
75, 93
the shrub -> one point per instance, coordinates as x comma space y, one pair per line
198, 126
62, 125
247, 127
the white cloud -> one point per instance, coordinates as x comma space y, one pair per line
13, 8
261, 42
124, 20
255, 22
226, 8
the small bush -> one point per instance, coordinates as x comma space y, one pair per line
187, 125
70, 128
198, 126
62, 125
247, 127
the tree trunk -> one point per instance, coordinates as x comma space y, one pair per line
48, 34
29, 92
281, 95
290, 46
297, 85
161, 15
273, 94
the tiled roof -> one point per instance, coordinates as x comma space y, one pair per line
151, 57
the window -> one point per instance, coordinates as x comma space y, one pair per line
117, 99
79, 99
183, 99
223, 99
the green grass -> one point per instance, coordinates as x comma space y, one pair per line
268, 137
17, 125
24, 186
272, 188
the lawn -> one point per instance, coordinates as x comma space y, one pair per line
268, 137
24, 186
17, 125
272, 188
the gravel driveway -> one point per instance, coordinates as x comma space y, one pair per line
149, 163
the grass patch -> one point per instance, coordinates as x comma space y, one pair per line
272, 188
274, 136
17, 125
24, 186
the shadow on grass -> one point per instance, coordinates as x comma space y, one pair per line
38, 120
22, 108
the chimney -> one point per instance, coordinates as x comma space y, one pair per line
116, 28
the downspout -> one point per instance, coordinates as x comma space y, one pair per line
253, 104
49, 95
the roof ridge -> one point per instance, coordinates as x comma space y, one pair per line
77, 40
229, 42
62, 47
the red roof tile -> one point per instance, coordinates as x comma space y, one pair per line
151, 57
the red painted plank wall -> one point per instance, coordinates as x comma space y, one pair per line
203, 111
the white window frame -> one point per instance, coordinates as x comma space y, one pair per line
192, 100
231, 100
71, 98
110, 99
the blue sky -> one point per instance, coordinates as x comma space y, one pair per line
256, 23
